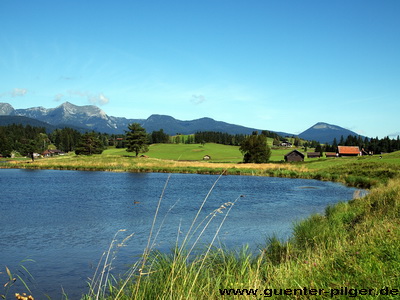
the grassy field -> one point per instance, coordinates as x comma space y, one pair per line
191, 152
196, 152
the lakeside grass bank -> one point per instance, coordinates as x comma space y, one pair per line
362, 172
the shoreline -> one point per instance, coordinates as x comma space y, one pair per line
150, 165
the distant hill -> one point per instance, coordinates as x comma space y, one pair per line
173, 126
90, 117
9, 120
326, 133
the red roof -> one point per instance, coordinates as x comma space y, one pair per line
348, 150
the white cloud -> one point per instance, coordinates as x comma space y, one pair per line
18, 92
96, 99
197, 99
99, 99
58, 97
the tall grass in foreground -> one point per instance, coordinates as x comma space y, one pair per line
354, 245
151, 260
16, 280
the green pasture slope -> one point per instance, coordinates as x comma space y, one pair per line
191, 152
217, 152
196, 152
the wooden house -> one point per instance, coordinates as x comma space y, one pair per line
46, 153
348, 151
330, 154
52, 152
286, 144
294, 155
313, 154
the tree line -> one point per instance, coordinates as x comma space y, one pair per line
23, 139
369, 145
200, 137
228, 139
27, 139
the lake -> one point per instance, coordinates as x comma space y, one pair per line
65, 220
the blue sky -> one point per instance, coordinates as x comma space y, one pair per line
275, 65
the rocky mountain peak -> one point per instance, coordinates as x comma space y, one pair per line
6, 109
322, 125
88, 110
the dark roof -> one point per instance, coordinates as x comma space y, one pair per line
295, 151
327, 154
314, 154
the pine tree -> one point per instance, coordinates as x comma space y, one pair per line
89, 144
137, 139
255, 149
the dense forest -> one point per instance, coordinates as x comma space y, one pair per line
218, 138
27, 139
23, 139
226, 138
369, 145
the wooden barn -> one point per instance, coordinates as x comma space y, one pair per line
53, 152
348, 151
330, 154
313, 154
294, 155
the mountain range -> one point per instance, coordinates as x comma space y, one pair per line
91, 117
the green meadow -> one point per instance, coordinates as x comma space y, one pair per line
188, 152
196, 152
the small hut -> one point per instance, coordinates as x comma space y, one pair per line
52, 152
294, 155
330, 154
313, 154
206, 157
